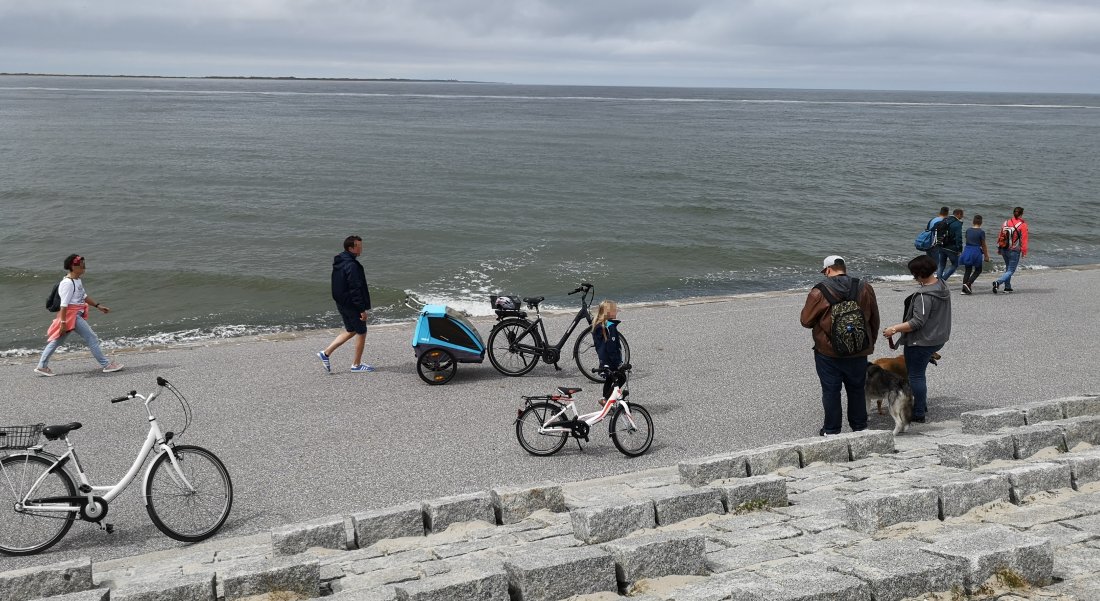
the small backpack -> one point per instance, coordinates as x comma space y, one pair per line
926, 239
1010, 235
849, 334
941, 232
949, 240
53, 301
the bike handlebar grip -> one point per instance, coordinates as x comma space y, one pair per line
161, 381
575, 291
625, 367
125, 397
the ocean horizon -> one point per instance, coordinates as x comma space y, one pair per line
212, 208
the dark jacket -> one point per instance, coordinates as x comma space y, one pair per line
816, 315
928, 312
608, 347
956, 228
349, 283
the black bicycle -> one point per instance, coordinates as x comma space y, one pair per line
516, 343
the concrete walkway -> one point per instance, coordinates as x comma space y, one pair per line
717, 376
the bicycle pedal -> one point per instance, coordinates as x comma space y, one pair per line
108, 528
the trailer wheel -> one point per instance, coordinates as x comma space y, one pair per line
436, 366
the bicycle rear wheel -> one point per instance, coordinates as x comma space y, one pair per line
512, 351
632, 441
177, 510
584, 353
26, 532
527, 430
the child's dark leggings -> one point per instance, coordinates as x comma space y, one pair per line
967, 278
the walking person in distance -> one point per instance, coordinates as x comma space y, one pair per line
73, 316
843, 315
951, 245
975, 254
925, 329
349, 290
1012, 245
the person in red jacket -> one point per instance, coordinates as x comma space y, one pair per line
1012, 245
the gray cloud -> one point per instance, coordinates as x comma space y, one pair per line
959, 44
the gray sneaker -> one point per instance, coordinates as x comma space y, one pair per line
112, 366
44, 372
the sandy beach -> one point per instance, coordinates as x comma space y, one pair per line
716, 374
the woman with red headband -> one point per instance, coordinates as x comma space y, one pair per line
73, 316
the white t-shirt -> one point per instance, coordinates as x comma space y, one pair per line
72, 292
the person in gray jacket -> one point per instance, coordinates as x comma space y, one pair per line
926, 328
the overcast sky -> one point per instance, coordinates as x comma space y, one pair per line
994, 45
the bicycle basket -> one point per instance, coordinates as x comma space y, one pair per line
506, 306
20, 437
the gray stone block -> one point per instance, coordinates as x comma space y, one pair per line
1079, 405
798, 579
379, 593
1041, 411
391, 522
987, 421
327, 533
969, 452
742, 556
258, 577
830, 449
866, 443
897, 569
768, 490
601, 523
657, 555
48, 580
676, 504
960, 493
765, 460
441, 513
95, 594
1036, 477
872, 510
704, 470
1083, 468
1029, 440
550, 574
198, 587
1080, 429
514, 503
488, 584
983, 553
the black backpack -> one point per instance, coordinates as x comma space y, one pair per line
941, 233
849, 334
53, 301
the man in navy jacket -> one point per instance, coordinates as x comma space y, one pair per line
349, 290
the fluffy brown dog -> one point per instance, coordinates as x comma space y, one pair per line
884, 385
896, 366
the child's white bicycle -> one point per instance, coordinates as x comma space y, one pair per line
187, 489
546, 422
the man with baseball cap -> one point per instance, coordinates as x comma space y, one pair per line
840, 353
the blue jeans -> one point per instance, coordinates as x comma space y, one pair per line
916, 362
934, 252
86, 333
851, 373
947, 256
1012, 259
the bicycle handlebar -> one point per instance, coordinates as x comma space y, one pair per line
133, 393
584, 287
127, 397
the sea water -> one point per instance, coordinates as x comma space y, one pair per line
213, 208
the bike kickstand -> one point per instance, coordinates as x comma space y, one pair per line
579, 447
557, 367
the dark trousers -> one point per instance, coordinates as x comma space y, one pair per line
916, 362
851, 373
971, 274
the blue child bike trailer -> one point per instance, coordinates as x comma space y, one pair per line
442, 339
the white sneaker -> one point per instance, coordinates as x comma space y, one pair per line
44, 372
112, 366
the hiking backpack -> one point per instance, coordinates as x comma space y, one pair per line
926, 239
849, 334
941, 232
949, 242
1010, 235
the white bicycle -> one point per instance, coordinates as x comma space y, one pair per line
546, 422
187, 489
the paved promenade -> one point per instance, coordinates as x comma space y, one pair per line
718, 376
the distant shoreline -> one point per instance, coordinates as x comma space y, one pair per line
249, 77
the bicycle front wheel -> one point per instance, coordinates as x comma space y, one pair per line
512, 351
26, 531
527, 430
584, 353
188, 513
632, 440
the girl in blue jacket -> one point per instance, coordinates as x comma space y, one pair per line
605, 337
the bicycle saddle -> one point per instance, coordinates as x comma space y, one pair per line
533, 301
568, 390
59, 431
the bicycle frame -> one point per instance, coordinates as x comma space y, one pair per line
154, 439
570, 406
582, 313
